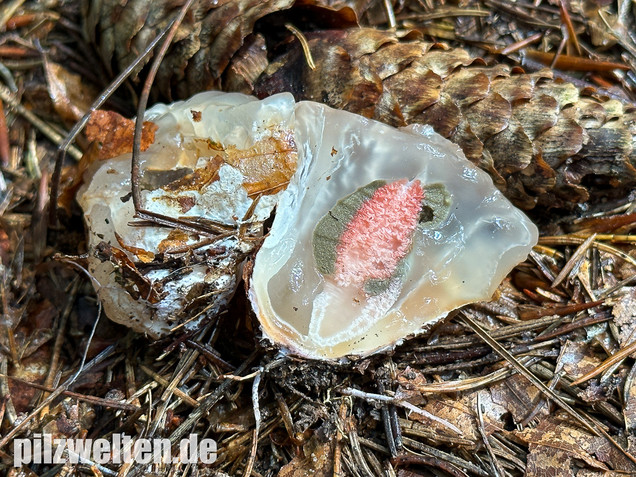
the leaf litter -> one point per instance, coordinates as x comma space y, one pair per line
310, 421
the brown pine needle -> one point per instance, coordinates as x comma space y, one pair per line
565, 17
572, 240
521, 44
574, 63
574, 261
109, 403
608, 363
303, 43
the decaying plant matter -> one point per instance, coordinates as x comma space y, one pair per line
543, 140
539, 139
538, 381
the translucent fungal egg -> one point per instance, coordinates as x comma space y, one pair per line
381, 232
378, 233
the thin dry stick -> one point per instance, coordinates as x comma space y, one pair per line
8, 408
398, 402
565, 17
443, 457
165, 383
337, 453
502, 333
59, 339
468, 383
101, 99
390, 14
135, 171
417, 429
186, 364
386, 420
573, 240
356, 451
257, 425
109, 403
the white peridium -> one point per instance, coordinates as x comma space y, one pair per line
194, 285
458, 261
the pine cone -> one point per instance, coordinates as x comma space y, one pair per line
210, 35
216, 46
544, 142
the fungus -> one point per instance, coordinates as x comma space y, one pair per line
378, 233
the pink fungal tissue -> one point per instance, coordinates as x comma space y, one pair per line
380, 233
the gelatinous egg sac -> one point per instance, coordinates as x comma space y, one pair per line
378, 232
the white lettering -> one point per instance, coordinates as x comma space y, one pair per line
60, 446
143, 451
101, 451
79, 449
207, 451
162, 450
21, 452
119, 449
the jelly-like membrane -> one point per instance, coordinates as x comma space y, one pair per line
457, 259
182, 144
